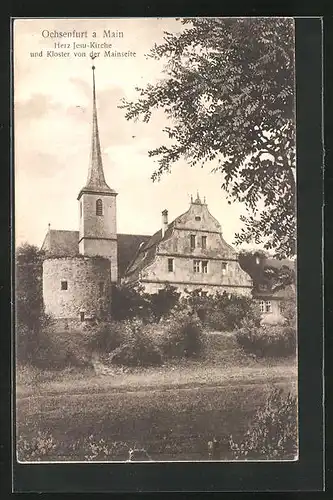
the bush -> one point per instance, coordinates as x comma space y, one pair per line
106, 336
289, 311
39, 447
268, 341
137, 347
223, 312
273, 432
61, 349
217, 320
129, 302
181, 335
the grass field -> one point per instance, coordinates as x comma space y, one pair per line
172, 411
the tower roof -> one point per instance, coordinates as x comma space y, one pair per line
96, 181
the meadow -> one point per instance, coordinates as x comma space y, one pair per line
171, 411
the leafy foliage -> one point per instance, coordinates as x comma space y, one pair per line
132, 302
264, 272
222, 311
289, 311
180, 335
60, 349
137, 347
37, 448
164, 301
30, 318
129, 302
106, 336
273, 432
268, 341
228, 92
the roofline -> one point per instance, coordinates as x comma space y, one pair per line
96, 191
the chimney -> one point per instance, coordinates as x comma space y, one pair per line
164, 221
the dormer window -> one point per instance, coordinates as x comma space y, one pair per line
99, 207
224, 267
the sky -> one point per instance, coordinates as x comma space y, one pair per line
52, 131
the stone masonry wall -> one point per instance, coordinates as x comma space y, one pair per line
88, 287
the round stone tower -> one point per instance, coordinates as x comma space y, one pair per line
76, 289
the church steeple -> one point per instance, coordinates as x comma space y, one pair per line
96, 180
97, 206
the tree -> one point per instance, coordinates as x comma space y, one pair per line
228, 93
28, 299
265, 271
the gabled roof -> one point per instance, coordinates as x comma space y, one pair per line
58, 243
146, 253
128, 245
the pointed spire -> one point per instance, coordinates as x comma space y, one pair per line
198, 198
96, 180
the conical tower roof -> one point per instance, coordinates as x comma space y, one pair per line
96, 182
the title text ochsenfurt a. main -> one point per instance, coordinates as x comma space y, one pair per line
81, 34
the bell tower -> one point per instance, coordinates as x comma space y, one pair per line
97, 205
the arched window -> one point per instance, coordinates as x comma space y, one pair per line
99, 207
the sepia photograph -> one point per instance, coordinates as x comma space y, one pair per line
155, 240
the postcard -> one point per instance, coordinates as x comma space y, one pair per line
155, 240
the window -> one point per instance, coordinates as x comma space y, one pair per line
197, 218
204, 266
80, 208
204, 294
101, 288
64, 285
204, 242
224, 267
200, 266
82, 316
196, 266
192, 237
265, 306
170, 265
99, 207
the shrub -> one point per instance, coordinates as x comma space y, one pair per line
129, 302
268, 341
100, 449
106, 336
162, 302
181, 335
273, 431
223, 312
238, 310
60, 349
217, 320
36, 448
137, 347
289, 311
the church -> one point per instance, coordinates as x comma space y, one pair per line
81, 266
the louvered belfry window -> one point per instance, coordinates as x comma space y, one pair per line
99, 207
